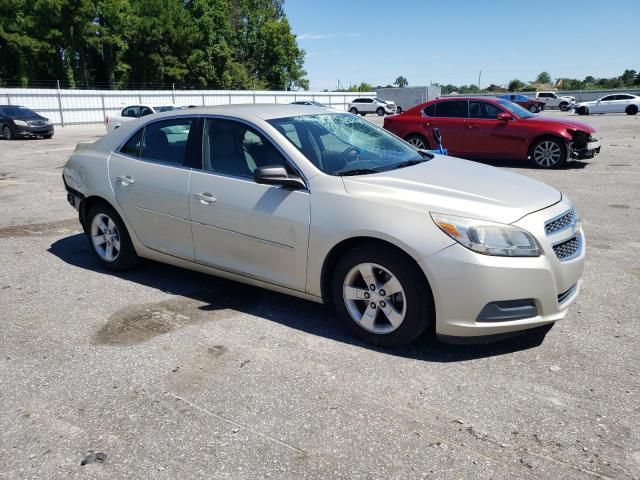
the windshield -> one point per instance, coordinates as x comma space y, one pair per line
515, 108
343, 144
167, 108
18, 112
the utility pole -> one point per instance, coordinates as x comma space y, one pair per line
479, 76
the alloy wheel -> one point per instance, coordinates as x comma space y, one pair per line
374, 298
417, 142
7, 133
105, 237
547, 153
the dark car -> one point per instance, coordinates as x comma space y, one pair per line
531, 104
493, 128
17, 121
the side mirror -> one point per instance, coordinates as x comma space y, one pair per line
437, 136
276, 175
504, 116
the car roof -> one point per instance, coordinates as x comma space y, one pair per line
251, 111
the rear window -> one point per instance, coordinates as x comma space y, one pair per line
452, 109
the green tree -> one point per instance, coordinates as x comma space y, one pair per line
515, 85
401, 82
543, 77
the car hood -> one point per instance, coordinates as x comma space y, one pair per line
28, 117
458, 187
572, 124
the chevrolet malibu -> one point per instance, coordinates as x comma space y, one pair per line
328, 207
495, 128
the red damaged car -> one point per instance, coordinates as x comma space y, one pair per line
494, 129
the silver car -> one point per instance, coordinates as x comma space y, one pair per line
328, 207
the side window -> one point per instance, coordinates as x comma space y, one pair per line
452, 108
483, 110
166, 141
145, 111
368, 100
357, 100
430, 111
131, 112
545, 95
132, 147
234, 148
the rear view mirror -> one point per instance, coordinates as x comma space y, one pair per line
277, 175
505, 117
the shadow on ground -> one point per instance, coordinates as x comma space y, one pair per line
215, 294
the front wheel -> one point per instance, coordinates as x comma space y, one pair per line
583, 111
382, 296
564, 106
631, 110
7, 133
380, 111
548, 153
48, 136
110, 240
398, 110
533, 109
353, 110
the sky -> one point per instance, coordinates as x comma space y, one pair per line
450, 42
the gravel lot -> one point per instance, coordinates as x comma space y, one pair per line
174, 374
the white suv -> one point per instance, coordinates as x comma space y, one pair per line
372, 105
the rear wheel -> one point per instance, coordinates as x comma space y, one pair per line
7, 133
564, 106
381, 295
398, 109
583, 111
548, 153
353, 110
533, 108
380, 111
110, 240
631, 110
418, 141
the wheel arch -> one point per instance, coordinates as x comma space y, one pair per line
88, 203
342, 247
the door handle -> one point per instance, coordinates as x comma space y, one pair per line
126, 180
471, 126
205, 198
427, 124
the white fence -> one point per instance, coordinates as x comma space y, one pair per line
73, 107
580, 95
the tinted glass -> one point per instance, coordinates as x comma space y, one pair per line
430, 110
130, 112
452, 108
145, 111
546, 95
166, 141
132, 147
338, 143
18, 112
483, 110
234, 148
168, 108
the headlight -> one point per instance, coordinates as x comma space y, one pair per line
488, 238
20, 123
49, 122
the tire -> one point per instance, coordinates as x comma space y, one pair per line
410, 308
548, 152
353, 110
398, 110
583, 111
564, 106
363, 113
631, 110
418, 141
120, 259
533, 108
48, 136
380, 111
7, 133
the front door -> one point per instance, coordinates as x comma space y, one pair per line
150, 179
259, 231
488, 136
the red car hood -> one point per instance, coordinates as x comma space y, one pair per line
566, 123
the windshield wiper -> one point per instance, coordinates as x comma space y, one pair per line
356, 171
409, 163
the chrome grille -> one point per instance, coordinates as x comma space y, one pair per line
563, 222
568, 249
37, 123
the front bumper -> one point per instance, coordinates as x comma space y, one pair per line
33, 131
590, 150
464, 283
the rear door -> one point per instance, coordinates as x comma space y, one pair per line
240, 226
486, 135
149, 175
450, 117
